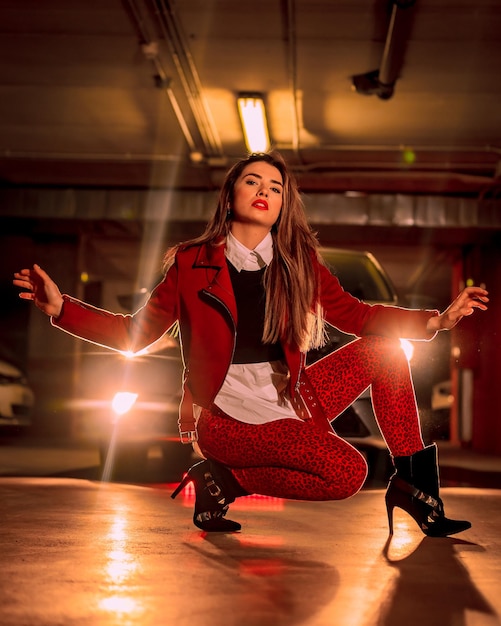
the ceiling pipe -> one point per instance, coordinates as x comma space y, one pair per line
381, 82
289, 18
477, 163
150, 50
172, 30
204, 143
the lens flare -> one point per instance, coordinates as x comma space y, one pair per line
408, 349
123, 401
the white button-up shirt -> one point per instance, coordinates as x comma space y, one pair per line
248, 393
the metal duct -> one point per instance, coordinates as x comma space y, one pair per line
381, 82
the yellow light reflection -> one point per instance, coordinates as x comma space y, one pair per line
117, 531
120, 567
405, 540
121, 606
260, 541
403, 543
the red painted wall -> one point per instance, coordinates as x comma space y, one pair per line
478, 343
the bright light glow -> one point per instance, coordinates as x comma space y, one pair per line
121, 565
408, 349
253, 117
122, 568
128, 354
409, 156
123, 401
121, 606
118, 530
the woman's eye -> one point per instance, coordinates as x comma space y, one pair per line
249, 181
276, 189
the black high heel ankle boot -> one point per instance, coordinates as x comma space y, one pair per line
414, 488
215, 488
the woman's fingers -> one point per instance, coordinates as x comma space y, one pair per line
39, 288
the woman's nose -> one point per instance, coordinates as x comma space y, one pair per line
262, 192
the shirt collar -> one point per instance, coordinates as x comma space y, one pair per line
244, 259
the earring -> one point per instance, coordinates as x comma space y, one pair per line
228, 211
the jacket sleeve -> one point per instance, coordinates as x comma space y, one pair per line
123, 332
354, 317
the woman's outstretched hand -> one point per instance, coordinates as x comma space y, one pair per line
468, 300
41, 289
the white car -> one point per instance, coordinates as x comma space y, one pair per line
16, 397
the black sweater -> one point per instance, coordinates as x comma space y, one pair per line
250, 297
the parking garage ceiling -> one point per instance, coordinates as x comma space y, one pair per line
362, 95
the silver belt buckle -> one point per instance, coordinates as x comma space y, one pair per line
188, 436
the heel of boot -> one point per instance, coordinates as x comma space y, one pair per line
427, 512
395, 498
389, 512
181, 486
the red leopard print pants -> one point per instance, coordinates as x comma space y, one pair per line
306, 460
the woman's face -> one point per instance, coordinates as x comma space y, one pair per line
257, 196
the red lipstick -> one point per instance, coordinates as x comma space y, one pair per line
260, 204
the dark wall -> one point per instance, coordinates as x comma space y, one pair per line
16, 252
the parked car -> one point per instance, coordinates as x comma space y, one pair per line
361, 275
442, 400
128, 407
16, 399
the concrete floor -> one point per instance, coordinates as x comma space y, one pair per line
78, 552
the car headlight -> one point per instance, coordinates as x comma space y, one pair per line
122, 402
408, 349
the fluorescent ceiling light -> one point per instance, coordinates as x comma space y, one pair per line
253, 117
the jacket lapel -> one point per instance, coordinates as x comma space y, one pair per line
212, 260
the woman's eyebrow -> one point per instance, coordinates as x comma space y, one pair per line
276, 182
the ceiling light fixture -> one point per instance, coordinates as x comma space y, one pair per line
253, 118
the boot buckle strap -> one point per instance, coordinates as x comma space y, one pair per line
426, 498
418, 494
206, 516
213, 488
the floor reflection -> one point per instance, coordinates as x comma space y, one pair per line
119, 598
276, 585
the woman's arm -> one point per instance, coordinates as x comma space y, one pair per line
113, 330
352, 316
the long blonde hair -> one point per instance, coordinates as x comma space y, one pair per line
293, 312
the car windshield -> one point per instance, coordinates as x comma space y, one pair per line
360, 274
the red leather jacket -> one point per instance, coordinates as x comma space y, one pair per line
197, 293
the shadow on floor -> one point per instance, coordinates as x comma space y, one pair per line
432, 586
